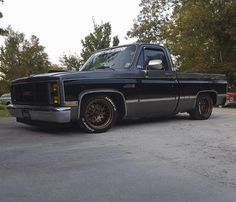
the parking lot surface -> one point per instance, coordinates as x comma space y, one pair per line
168, 159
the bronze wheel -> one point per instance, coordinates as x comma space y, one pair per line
203, 107
98, 114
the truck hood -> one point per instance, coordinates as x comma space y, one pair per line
101, 74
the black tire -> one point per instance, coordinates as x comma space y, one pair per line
98, 114
203, 107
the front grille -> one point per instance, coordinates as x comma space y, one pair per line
31, 93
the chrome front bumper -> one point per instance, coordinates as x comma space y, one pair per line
41, 113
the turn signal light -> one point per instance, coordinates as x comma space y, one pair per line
54, 87
55, 99
54, 93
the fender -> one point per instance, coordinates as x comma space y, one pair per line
99, 91
206, 91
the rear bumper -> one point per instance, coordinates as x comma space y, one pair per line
38, 113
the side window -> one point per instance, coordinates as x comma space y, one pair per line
153, 54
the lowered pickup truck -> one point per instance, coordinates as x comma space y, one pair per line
136, 80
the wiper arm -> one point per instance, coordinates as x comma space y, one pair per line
105, 67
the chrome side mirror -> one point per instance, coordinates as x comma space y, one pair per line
155, 64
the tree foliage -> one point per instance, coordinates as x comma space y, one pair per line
72, 62
201, 34
55, 67
147, 25
115, 41
2, 31
4, 87
20, 57
100, 38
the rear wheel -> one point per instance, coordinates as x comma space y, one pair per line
203, 107
98, 114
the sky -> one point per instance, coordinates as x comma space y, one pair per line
61, 24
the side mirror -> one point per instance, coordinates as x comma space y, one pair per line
155, 65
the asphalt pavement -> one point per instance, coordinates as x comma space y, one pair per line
168, 160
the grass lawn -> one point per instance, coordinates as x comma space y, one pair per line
3, 111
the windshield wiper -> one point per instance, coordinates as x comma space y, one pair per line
105, 67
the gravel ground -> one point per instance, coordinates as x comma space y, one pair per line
170, 159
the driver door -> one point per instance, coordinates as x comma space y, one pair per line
158, 87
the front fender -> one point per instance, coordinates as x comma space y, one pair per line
111, 92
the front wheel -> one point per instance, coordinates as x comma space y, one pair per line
203, 107
98, 114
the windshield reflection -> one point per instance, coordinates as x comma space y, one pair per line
115, 58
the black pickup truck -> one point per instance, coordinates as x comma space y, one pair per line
136, 80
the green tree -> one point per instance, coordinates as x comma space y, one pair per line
55, 68
201, 34
20, 57
147, 25
2, 31
115, 41
72, 62
100, 38
4, 87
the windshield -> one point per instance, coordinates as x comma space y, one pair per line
115, 58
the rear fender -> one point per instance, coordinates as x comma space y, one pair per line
214, 95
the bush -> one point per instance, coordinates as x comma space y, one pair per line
3, 111
2, 107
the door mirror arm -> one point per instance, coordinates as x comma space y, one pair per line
145, 73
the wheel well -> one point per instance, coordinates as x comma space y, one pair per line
213, 96
117, 98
